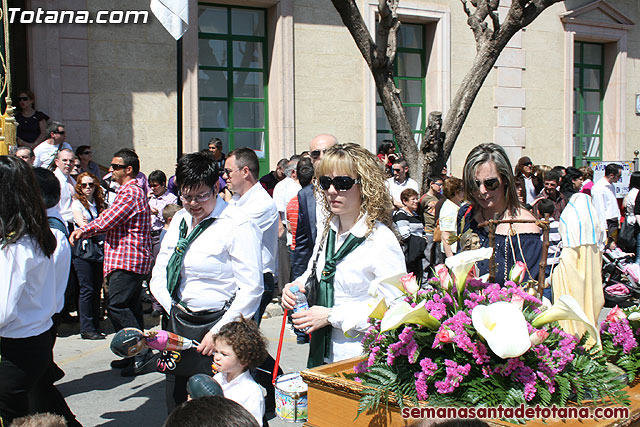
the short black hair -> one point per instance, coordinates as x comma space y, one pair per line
305, 171
217, 142
49, 186
158, 177
612, 169
246, 157
130, 158
553, 175
196, 169
546, 206
210, 411
81, 149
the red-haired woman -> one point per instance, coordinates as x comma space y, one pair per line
87, 204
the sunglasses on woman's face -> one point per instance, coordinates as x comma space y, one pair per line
23, 98
340, 183
88, 185
490, 184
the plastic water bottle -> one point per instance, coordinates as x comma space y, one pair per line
301, 302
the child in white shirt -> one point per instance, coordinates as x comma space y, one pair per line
239, 346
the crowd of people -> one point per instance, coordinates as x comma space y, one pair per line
216, 243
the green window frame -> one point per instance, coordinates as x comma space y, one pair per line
588, 93
409, 71
233, 78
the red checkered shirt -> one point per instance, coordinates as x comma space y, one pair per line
127, 224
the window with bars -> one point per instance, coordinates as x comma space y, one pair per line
409, 76
588, 92
232, 77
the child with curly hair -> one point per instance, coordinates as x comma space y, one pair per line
239, 346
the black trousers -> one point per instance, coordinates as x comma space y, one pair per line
124, 308
267, 295
89, 282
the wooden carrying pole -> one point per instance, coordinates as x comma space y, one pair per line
544, 224
7, 121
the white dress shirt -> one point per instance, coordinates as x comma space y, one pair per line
245, 391
375, 259
31, 286
395, 187
529, 190
67, 190
283, 192
261, 209
603, 195
224, 260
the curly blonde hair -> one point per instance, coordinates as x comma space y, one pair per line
357, 162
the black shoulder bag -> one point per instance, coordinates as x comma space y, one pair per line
311, 285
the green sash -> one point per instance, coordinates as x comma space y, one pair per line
321, 339
175, 262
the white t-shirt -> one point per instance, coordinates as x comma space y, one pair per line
245, 391
45, 153
448, 219
395, 188
77, 206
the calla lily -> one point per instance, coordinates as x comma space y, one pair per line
634, 316
390, 288
566, 308
409, 283
504, 328
538, 336
517, 272
615, 314
445, 278
461, 264
379, 309
402, 313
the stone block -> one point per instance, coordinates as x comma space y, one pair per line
73, 52
511, 57
510, 77
74, 79
75, 106
509, 137
516, 40
509, 117
78, 132
509, 97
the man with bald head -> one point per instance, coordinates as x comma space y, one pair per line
319, 145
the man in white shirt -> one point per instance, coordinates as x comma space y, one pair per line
241, 173
47, 150
400, 182
603, 194
283, 192
64, 166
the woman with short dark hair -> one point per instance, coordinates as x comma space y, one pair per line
489, 186
410, 227
208, 271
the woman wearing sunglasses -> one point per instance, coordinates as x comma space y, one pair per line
490, 186
355, 250
88, 203
32, 124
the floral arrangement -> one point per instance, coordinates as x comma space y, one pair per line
619, 333
458, 341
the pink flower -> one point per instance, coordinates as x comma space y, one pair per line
518, 301
615, 314
409, 283
446, 335
538, 336
517, 272
445, 278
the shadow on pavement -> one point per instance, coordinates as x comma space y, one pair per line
151, 413
102, 380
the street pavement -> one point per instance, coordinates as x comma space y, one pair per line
99, 396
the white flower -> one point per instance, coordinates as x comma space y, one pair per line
402, 313
566, 308
634, 316
461, 264
409, 283
517, 272
504, 328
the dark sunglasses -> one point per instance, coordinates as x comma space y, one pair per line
490, 184
117, 166
527, 164
340, 183
315, 154
59, 132
88, 185
86, 152
23, 98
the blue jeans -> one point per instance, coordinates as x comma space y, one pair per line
638, 248
547, 292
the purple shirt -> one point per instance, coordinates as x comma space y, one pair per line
159, 202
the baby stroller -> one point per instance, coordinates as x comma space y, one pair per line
620, 279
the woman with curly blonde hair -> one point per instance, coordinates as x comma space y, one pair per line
88, 203
356, 250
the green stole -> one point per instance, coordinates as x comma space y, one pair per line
175, 262
321, 339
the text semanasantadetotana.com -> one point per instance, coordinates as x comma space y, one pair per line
41, 16
518, 412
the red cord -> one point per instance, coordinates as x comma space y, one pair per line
276, 365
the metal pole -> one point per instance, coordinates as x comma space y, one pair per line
636, 163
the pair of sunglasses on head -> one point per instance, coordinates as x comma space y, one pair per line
340, 183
